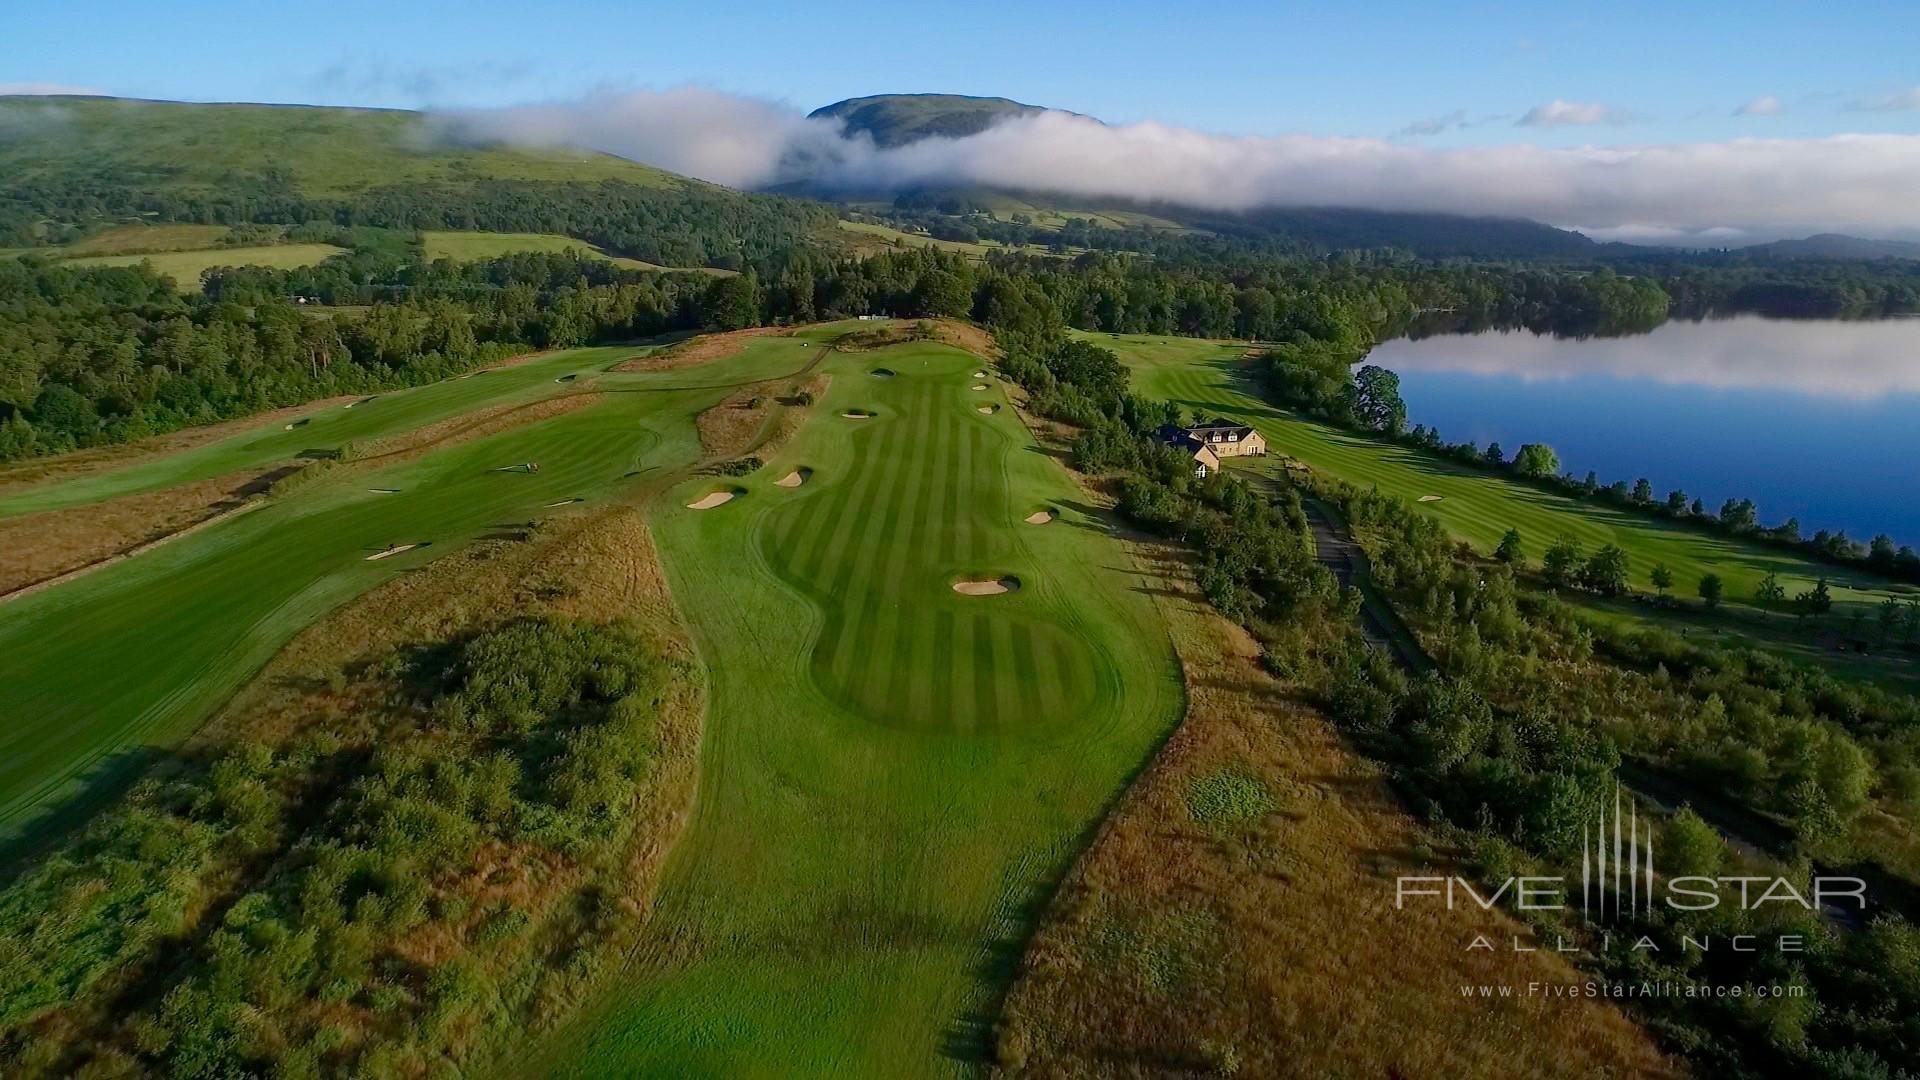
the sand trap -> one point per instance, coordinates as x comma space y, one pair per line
979, 374
391, 551
881, 373
1429, 498
795, 478
567, 502
302, 422
981, 386
857, 414
988, 409
718, 498
1041, 517
362, 401
987, 588
385, 491
568, 378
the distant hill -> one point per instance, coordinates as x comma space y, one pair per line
72, 163
1837, 246
899, 119
895, 120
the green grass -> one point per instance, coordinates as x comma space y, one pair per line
171, 146
472, 246
131, 658
330, 429
185, 267
1474, 505
142, 239
890, 771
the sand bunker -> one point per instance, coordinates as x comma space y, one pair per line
302, 422
987, 588
1041, 517
718, 498
567, 502
362, 401
980, 386
385, 491
395, 550
795, 478
988, 409
1429, 498
881, 373
979, 374
568, 378
857, 414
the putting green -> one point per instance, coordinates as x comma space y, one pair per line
120, 663
891, 772
1473, 505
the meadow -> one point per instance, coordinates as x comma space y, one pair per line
135, 656
472, 246
185, 267
892, 773
1475, 506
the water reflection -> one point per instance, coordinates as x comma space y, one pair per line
1859, 360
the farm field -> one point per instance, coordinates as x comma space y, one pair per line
1475, 506
135, 655
891, 771
470, 246
185, 267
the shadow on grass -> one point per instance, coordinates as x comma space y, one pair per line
72, 806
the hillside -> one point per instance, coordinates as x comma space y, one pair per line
75, 164
969, 213
898, 119
1837, 246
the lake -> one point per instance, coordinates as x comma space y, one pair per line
1810, 419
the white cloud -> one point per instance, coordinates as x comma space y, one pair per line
1764, 105
47, 89
1558, 113
1639, 233
1434, 125
1904, 101
1859, 182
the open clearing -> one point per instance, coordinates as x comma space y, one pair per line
185, 267
88, 692
891, 772
1473, 505
473, 246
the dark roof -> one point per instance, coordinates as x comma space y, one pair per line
1242, 430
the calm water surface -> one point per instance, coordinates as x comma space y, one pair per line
1815, 420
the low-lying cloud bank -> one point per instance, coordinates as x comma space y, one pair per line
1861, 183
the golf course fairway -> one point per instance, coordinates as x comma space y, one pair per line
892, 772
129, 659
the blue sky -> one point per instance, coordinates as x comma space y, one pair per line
1645, 72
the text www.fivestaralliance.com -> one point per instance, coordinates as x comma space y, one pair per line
1659, 989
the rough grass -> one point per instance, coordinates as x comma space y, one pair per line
1235, 915
888, 778
1476, 506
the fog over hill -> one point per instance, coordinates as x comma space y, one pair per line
1699, 194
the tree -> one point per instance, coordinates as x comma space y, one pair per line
1509, 550
1494, 455
1661, 577
1770, 592
1711, 590
1815, 601
1889, 618
1643, 491
1606, 571
1537, 460
1376, 400
1676, 502
730, 303
1562, 560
